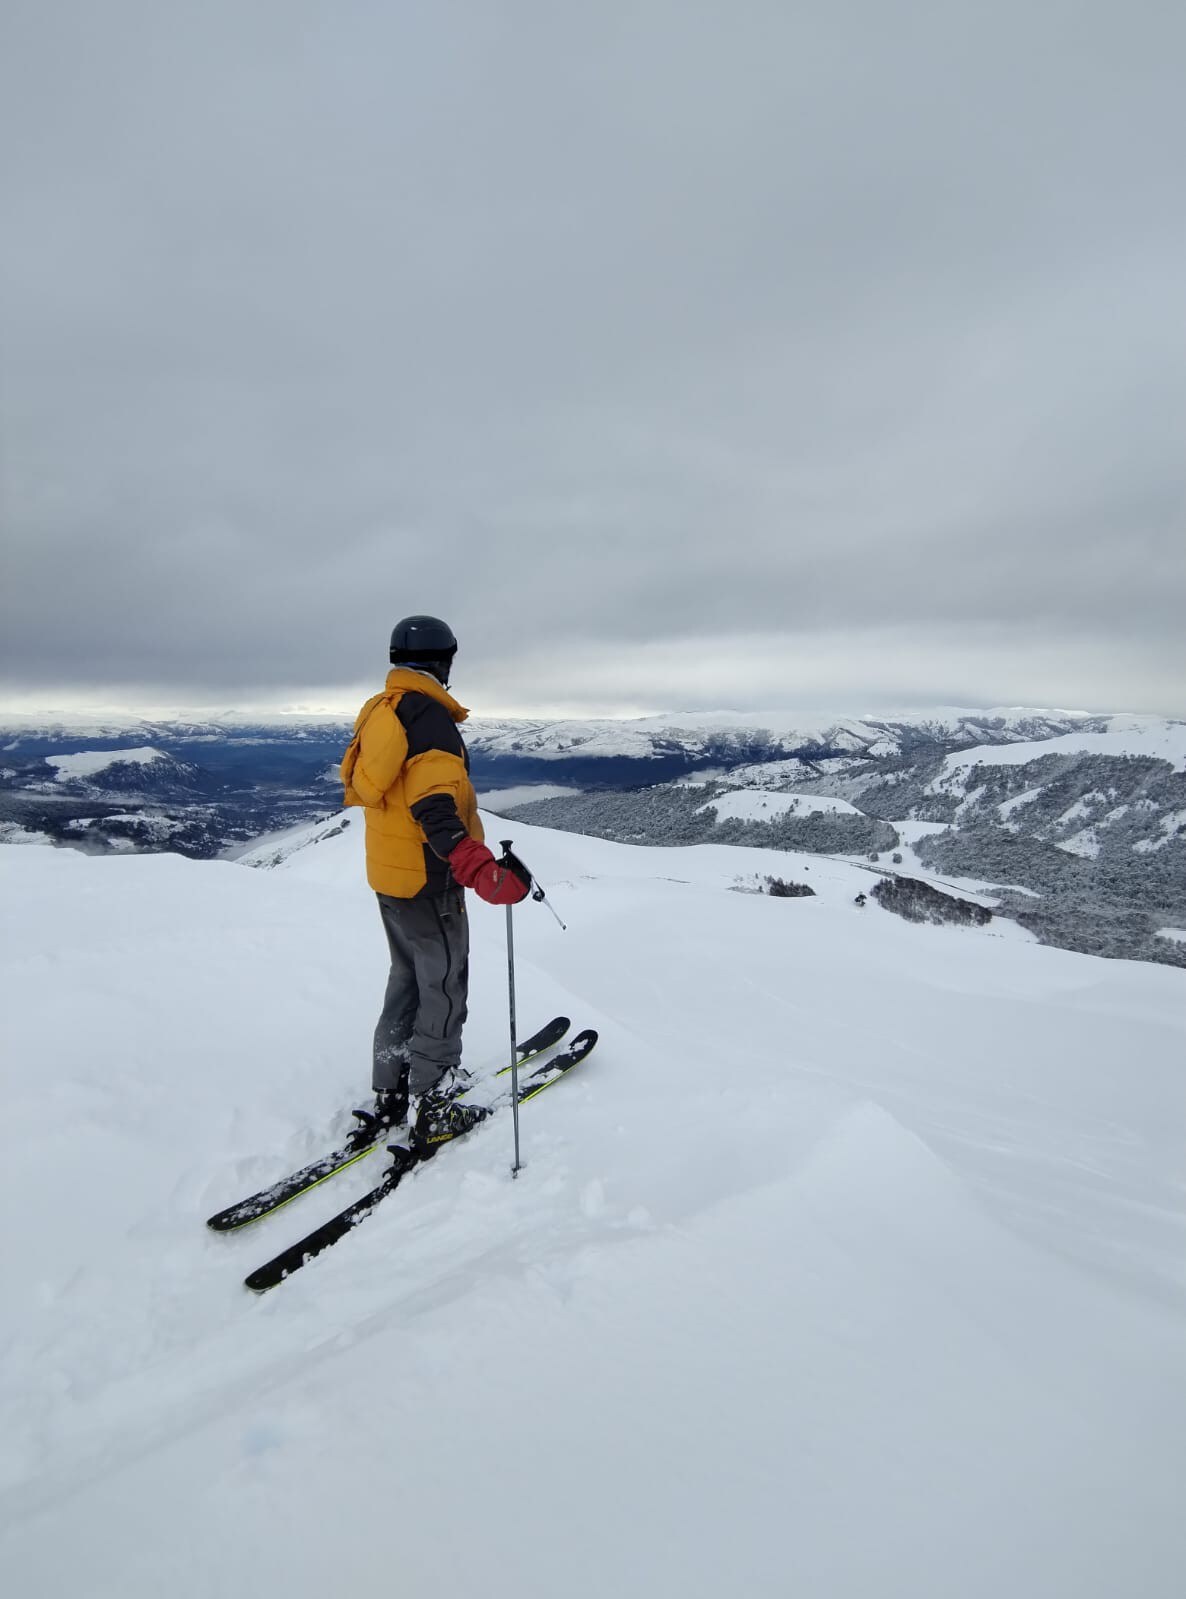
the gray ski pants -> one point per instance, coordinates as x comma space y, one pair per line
424, 1007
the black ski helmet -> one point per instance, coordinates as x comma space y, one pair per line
424, 641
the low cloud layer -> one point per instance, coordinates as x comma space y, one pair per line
678, 355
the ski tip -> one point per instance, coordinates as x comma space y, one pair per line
551, 1032
234, 1217
275, 1272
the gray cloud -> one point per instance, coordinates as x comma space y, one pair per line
679, 354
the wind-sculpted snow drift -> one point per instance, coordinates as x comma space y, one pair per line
851, 1265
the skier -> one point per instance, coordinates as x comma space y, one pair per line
407, 766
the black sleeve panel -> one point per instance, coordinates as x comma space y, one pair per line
442, 826
428, 726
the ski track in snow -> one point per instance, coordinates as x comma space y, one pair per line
851, 1262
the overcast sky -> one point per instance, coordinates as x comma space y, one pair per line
680, 355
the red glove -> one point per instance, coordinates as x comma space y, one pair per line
474, 867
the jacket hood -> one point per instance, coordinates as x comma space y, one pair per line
407, 680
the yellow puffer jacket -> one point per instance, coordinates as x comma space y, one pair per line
378, 774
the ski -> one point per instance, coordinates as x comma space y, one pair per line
403, 1161
357, 1146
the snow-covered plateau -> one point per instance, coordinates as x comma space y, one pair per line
90, 763
759, 805
850, 1264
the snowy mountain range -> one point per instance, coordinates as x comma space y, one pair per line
696, 734
850, 1264
1086, 813
769, 734
605, 752
25, 730
194, 792
1085, 828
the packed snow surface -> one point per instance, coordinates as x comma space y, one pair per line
91, 762
850, 1264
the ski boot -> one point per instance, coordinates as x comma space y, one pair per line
439, 1116
391, 1110
391, 1105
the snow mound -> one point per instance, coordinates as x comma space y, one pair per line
876, 1178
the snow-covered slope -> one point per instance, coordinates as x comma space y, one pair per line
1122, 735
850, 1264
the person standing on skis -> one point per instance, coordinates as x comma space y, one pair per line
408, 768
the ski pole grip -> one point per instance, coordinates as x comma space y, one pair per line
511, 860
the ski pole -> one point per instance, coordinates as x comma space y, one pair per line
512, 861
514, 1042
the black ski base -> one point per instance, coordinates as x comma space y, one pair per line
295, 1256
403, 1161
